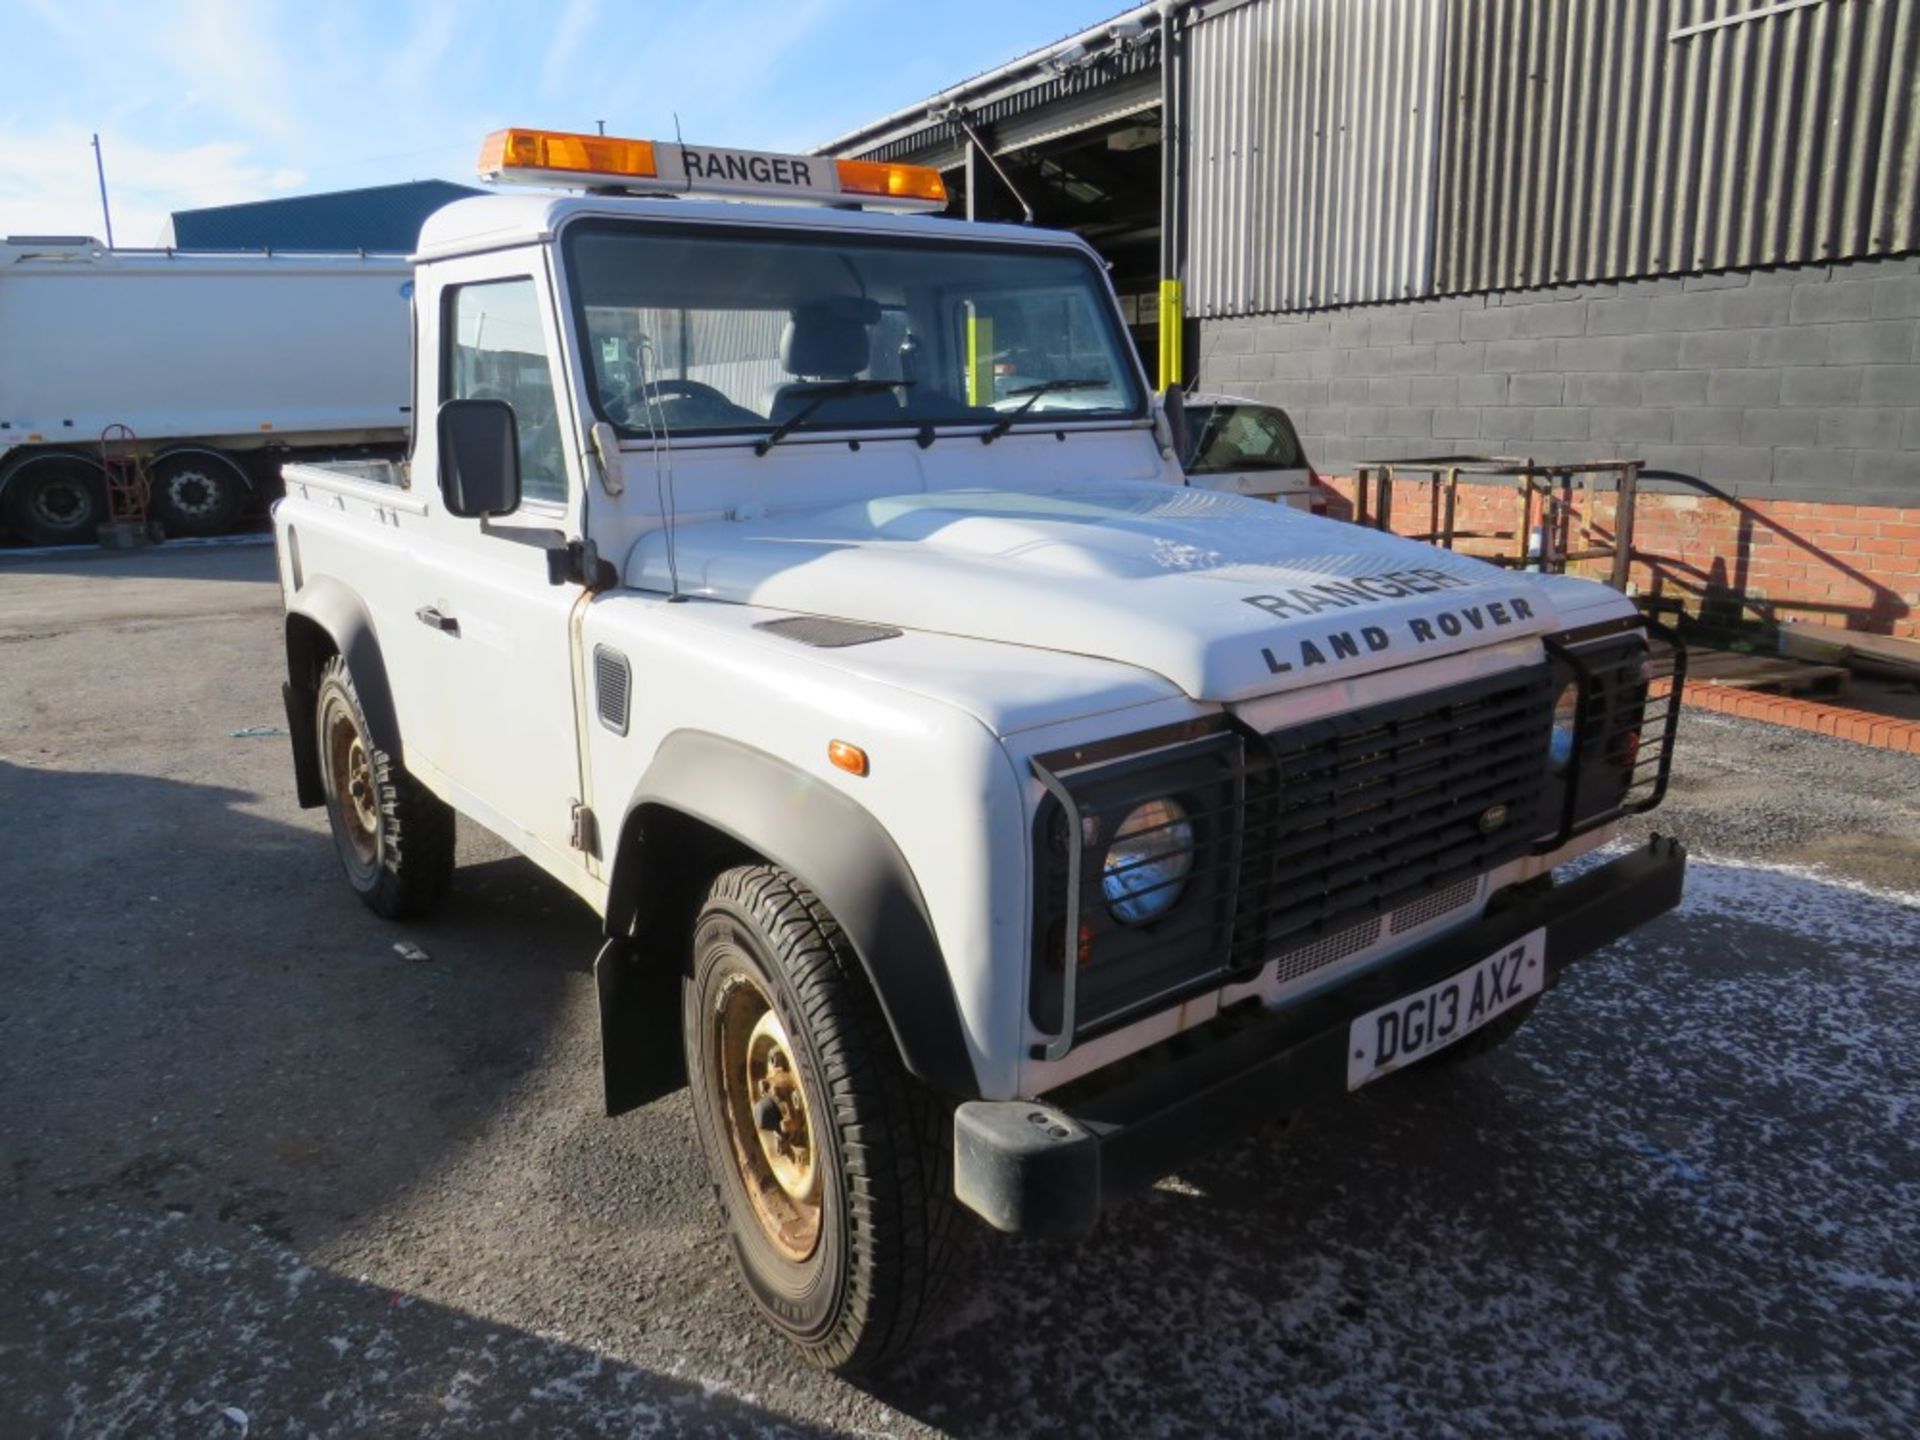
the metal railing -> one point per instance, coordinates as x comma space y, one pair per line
1551, 503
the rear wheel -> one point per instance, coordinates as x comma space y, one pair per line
57, 500
196, 492
832, 1164
394, 837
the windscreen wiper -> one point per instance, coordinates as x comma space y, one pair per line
833, 390
1033, 392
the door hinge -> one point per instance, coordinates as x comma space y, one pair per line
586, 831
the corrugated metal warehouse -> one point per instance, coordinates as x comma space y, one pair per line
1681, 232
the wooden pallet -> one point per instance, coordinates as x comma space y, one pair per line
1765, 672
1869, 654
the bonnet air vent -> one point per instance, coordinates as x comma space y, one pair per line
612, 686
826, 634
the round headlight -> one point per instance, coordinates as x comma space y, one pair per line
1560, 740
1148, 862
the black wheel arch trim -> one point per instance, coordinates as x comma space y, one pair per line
837, 850
323, 617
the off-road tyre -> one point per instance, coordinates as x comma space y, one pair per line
879, 1141
394, 836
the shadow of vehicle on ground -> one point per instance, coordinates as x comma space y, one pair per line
225, 1094
1665, 1200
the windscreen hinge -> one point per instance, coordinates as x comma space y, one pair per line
585, 835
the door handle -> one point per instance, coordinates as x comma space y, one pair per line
428, 615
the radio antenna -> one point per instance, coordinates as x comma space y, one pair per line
662, 474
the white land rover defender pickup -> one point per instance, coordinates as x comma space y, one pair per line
980, 817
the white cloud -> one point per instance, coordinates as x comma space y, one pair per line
48, 186
575, 23
228, 55
206, 102
721, 69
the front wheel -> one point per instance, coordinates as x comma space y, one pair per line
832, 1164
394, 836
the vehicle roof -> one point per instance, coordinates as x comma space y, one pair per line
492, 222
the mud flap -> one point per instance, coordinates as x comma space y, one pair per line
308, 786
641, 1053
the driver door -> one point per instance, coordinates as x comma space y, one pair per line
503, 641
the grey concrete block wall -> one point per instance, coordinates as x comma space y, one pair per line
1795, 384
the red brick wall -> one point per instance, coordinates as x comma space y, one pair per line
1728, 561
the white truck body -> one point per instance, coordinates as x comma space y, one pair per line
239, 350
978, 622
229, 353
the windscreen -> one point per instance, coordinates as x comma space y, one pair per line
704, 330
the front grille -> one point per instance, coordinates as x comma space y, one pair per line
1359, 814
1314, 842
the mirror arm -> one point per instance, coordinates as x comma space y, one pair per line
575, 562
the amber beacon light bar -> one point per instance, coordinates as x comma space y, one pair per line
660, 167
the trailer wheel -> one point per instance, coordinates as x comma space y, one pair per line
57, 500
196, 492
395, 837
831, 1163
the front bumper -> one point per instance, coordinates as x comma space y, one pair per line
1032, 1167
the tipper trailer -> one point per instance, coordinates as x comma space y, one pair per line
224, 367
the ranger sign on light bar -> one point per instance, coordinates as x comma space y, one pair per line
552, 157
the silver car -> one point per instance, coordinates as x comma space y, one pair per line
1247, 448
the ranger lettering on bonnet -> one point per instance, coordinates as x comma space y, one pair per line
951, 843
1363, 590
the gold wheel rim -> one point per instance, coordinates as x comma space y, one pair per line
769, 1124
351, 770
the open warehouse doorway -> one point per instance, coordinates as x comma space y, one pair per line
1072, 137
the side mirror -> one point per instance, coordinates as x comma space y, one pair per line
479, 458
1174, 402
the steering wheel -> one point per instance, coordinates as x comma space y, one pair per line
659, 390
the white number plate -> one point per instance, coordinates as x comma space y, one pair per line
1416, 1025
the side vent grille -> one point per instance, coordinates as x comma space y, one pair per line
613, 688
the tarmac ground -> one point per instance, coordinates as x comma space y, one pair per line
262, 1173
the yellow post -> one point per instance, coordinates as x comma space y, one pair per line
1172, 313
979, 357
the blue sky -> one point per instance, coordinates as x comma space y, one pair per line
206, 102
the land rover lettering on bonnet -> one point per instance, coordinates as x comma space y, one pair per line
978, 816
